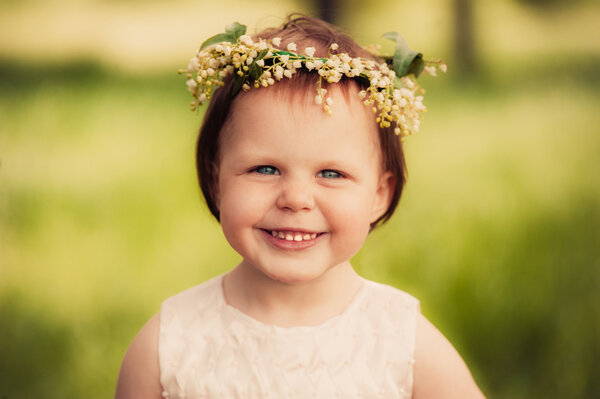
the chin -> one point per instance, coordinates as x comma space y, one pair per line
293, 275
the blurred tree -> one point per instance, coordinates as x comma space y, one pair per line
327, 10
548, 3
464, 38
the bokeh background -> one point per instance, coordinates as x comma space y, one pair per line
498, 233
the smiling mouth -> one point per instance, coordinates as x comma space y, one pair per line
293, 235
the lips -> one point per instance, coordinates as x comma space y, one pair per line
290, 235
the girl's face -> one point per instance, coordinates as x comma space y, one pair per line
298, 189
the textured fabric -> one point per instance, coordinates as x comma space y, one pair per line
209, 349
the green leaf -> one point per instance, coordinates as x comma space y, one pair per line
238, 82
283, 52
221, 37
262, 54
236, 30
231, 35
405, 60
254, 71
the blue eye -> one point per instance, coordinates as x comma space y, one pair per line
330, 174
266, 170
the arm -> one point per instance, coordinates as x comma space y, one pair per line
139, 377
439, 371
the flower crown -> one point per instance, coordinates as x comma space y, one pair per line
392, 93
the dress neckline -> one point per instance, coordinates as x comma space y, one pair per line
258, 325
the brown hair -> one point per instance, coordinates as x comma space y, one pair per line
304, 31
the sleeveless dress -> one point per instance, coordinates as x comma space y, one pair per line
209, 349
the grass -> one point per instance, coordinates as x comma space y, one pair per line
497, 233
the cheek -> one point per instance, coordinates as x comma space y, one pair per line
240, 206
348, 216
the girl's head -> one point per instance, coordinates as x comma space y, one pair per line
222, 119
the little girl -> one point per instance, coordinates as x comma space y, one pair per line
299, 158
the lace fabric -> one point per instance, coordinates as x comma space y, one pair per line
209, 349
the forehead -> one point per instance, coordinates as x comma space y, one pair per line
288, 113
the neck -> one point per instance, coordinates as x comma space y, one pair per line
283, 304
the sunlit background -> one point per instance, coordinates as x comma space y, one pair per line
101, 219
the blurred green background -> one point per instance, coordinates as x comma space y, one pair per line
498, 232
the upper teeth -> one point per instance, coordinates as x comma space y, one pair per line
293, 236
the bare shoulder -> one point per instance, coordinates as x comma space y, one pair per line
140, 373
439, 371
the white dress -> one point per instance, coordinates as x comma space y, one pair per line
209, 349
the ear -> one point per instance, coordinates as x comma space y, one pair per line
383, 195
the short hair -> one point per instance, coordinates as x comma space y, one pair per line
305, 31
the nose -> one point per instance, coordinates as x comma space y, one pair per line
295, 195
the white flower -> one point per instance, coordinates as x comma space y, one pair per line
357, 70
284, 58
287, 73
253, 53
297, 64
278, 74
443, 67
191, 84
276, 41
362, 94
219, 48
309, 65
270, 81
333, 62
329, 101
291, 46
334, 76
247, 40
262, 45
246, 87
318, 100
260, 63
430, 70
406, 93
210, 72
310, 51
345, 57
318, 64
193, 65
334, 46
201, 98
